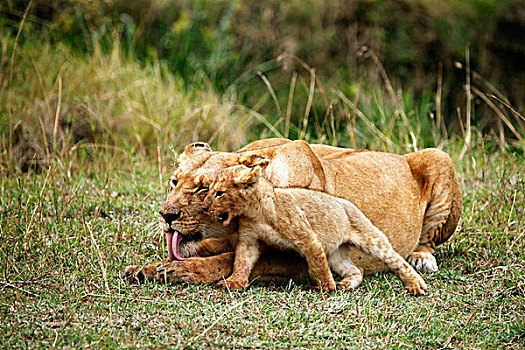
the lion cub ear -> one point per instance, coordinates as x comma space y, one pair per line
253, 160
192, 150
247, 175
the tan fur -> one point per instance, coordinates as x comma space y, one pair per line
323, 228
393, 191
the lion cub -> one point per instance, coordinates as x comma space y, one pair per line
321, 227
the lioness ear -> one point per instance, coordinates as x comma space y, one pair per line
253, 160
198, 180
192, 150
248, 175
195, 148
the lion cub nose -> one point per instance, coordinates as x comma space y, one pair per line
170, 217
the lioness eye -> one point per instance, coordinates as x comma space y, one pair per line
219, 193
174, 182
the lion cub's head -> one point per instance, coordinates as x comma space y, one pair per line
185, 222
199, 167
234, 192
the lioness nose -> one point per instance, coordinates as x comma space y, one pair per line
170, 217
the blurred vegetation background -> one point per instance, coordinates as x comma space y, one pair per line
144, 75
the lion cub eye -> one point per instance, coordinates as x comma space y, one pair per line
219, 194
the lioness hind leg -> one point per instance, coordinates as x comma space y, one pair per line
437, 213
442, 193
423, 260
441, 218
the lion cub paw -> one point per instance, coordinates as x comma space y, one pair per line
416, 287
326, 288
348, 284
329, 287
232, 283
423, 261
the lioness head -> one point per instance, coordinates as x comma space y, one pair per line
233, 192
185, 222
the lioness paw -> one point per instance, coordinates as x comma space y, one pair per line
233, 283
133, 274
416, 287
173, 272
423, 261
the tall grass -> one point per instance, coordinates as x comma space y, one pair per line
58, 104
380, 115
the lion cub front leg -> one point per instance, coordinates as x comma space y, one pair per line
247, 253
318, 266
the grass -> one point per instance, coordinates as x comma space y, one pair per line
57, 104
77, 211
69, 231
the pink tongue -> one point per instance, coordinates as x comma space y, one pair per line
169, 238
173, 245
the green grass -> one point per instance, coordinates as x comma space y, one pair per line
57, 104
84, 160
67, 233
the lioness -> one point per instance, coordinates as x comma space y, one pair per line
415, 199
323, 228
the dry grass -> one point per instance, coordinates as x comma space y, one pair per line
58, 103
